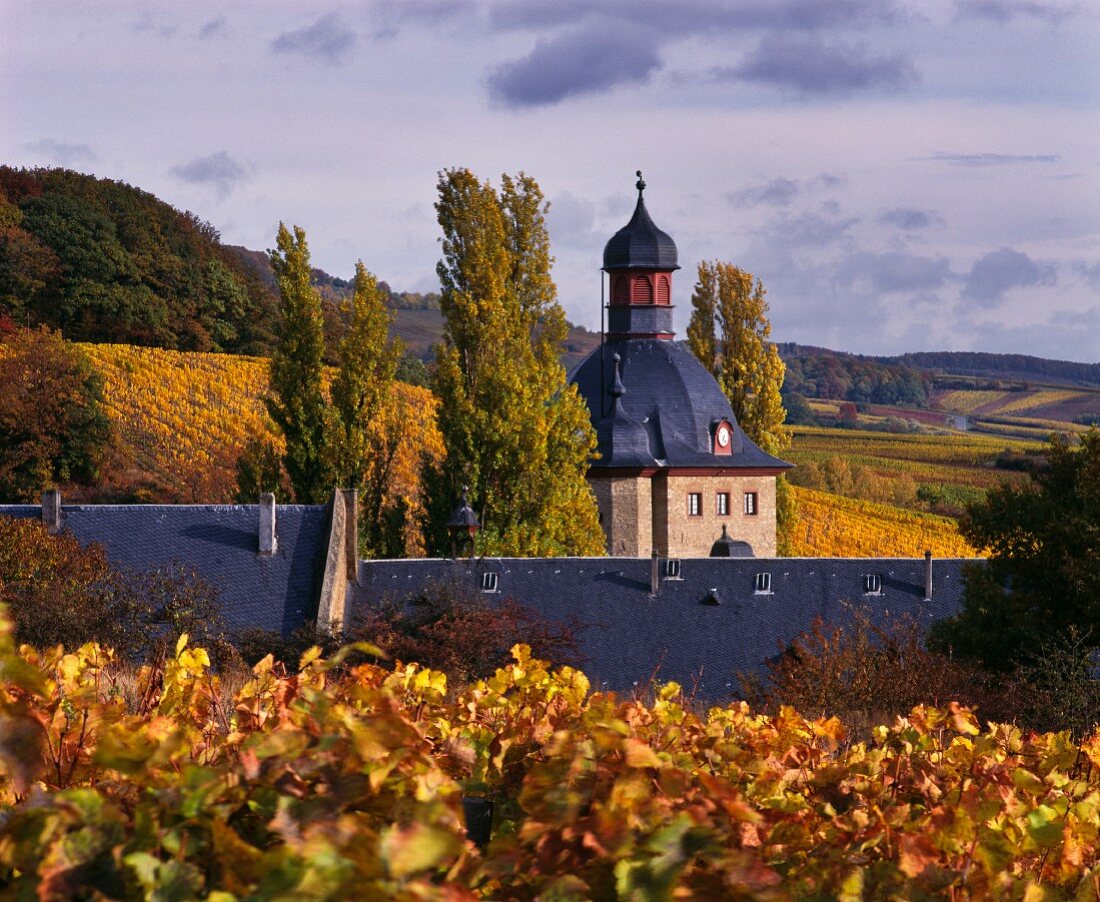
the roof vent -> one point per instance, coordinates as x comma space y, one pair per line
712, 598
489, 582
672, 569
762, 584
872, 584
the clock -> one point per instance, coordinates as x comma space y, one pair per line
723, 436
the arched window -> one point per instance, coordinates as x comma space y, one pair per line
621, 292
641, 290
663, 290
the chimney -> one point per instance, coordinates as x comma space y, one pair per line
654, 576
268, 542
51, 510
928, 576
351, 534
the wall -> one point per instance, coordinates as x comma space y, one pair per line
688, 536
625, 514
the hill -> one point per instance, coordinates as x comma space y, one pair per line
105, 261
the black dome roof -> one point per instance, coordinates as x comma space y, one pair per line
640, 244
666, 412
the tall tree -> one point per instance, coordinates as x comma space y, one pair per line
297, 400
359, 444
729, 332
1041, 581
516, 432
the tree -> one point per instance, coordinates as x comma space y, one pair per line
53, 428
360, 395
297, 401
1041, 581
729, 332
516, 432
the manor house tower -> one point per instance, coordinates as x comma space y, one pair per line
674, 469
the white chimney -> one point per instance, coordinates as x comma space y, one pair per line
928, 576
268, 542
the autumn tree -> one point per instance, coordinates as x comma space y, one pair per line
358, 440
729, 332
53, 428
516, 432
297, 400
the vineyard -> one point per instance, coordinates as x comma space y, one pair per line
341, 781
834, 526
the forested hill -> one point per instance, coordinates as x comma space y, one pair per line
104, 261
1003, 366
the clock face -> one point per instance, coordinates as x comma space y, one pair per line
723, 436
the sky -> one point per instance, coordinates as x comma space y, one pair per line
902, 175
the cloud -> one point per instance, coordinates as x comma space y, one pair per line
219, 170
894, 271
148, 25
808, 230
1005, 10
811, 66
778, 192
213, 27
62, 152
579, 61
1002, 270
327, 40
572, 221
991, 159
909, 219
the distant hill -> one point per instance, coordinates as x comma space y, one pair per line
105, 261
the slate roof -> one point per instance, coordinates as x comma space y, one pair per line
629, 636
640, 244
220, 542
668, 407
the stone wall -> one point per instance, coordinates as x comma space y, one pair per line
692, 536
626, 514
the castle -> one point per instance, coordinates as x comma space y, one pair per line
674, 467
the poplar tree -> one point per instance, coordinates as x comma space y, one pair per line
729, 332
360, 393
516, 432
297, 401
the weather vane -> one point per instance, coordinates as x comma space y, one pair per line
640, 185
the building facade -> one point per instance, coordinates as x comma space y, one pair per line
674, 467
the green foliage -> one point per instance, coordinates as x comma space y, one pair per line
412, 371
297, 402
357, 438
106, 262
53, 428
260, 470
516, 432
848, 377
1042, 577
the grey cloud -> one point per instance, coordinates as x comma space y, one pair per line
63, 152
1005, 10
679, 17
809, 230
328, 40
895, 271
778, 192
1090, 273
992, 159
1001, 270
211, 28
579, 61
910, 219
811, 66
219, 170
148, 25
572, 220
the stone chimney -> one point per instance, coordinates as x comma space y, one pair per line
268, 542
928, 576
51, 510
654, 575
351, 534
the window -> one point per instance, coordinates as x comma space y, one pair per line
762, 585
722, 504
672, 569
695, 504
872, 584
750, 503
641, 290
489, 582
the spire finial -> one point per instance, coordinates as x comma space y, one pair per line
640, 184
616, 391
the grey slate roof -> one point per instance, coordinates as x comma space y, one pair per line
220, 542
629, 635
668, 395
640, 244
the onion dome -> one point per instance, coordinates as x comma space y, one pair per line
640, 244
